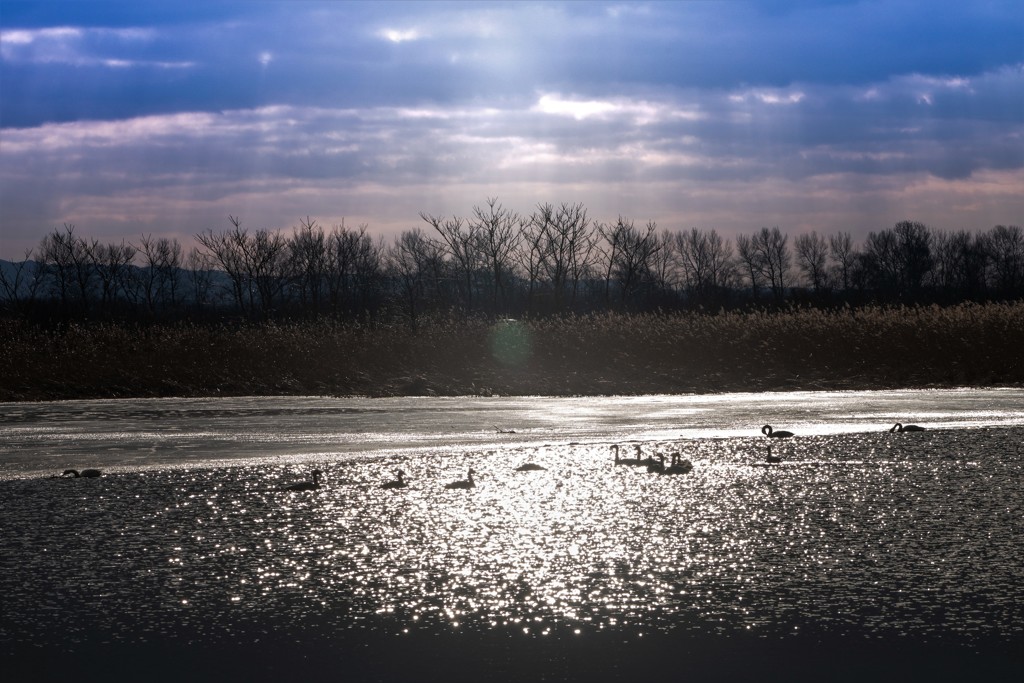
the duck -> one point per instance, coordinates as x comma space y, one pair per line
306, 485
398, 483
772, 434
900, 428
627, 461
466, 483
530, 467
679, 465
89, 474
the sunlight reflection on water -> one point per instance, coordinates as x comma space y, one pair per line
853, 534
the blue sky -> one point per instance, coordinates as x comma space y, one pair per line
166, 117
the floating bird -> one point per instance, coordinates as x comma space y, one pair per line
306, 485
627, 461
530, 467
84, 473
657, 466
679, 465
899, 428
466, 483
399, 483
771, 434
499, 430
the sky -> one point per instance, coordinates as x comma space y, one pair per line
165, 118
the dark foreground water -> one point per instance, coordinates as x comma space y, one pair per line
864, 555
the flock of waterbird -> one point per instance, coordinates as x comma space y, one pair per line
655, 464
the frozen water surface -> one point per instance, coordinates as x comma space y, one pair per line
858, 534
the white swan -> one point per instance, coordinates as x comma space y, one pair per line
399, 483
771, 434
466, 483
899, 428
306, 485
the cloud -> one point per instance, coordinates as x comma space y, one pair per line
665, 110
82, 47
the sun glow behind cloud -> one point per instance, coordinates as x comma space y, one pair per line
381, 118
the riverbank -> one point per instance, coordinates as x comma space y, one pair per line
607, 354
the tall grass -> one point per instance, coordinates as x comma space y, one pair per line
964, 345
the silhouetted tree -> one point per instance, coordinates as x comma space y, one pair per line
811, 257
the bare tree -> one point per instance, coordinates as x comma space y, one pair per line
706, 263
256, 264
498, 232
21, 285
161, 273
415, 261
462, 242
811, 256
559, 243
628, 256
308, 252
775, 258
844, 258
897, 260
750, 261
112, 263
354, 269
68, 267
200, 273
1005, 245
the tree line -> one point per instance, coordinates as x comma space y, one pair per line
496, 261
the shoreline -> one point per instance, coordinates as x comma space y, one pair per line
427, 388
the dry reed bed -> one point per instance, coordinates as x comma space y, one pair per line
965, 345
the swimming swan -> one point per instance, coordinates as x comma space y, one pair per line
679, 465
899, 428
466, 483
657, 466
530, 467
399, 483
306, 485
84, 473
781, 434
626, 461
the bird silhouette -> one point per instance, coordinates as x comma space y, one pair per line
771, 434
397, 483
900, 428
306, 485
466, 483
75, 474
627, 461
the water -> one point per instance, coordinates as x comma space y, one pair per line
858, 537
